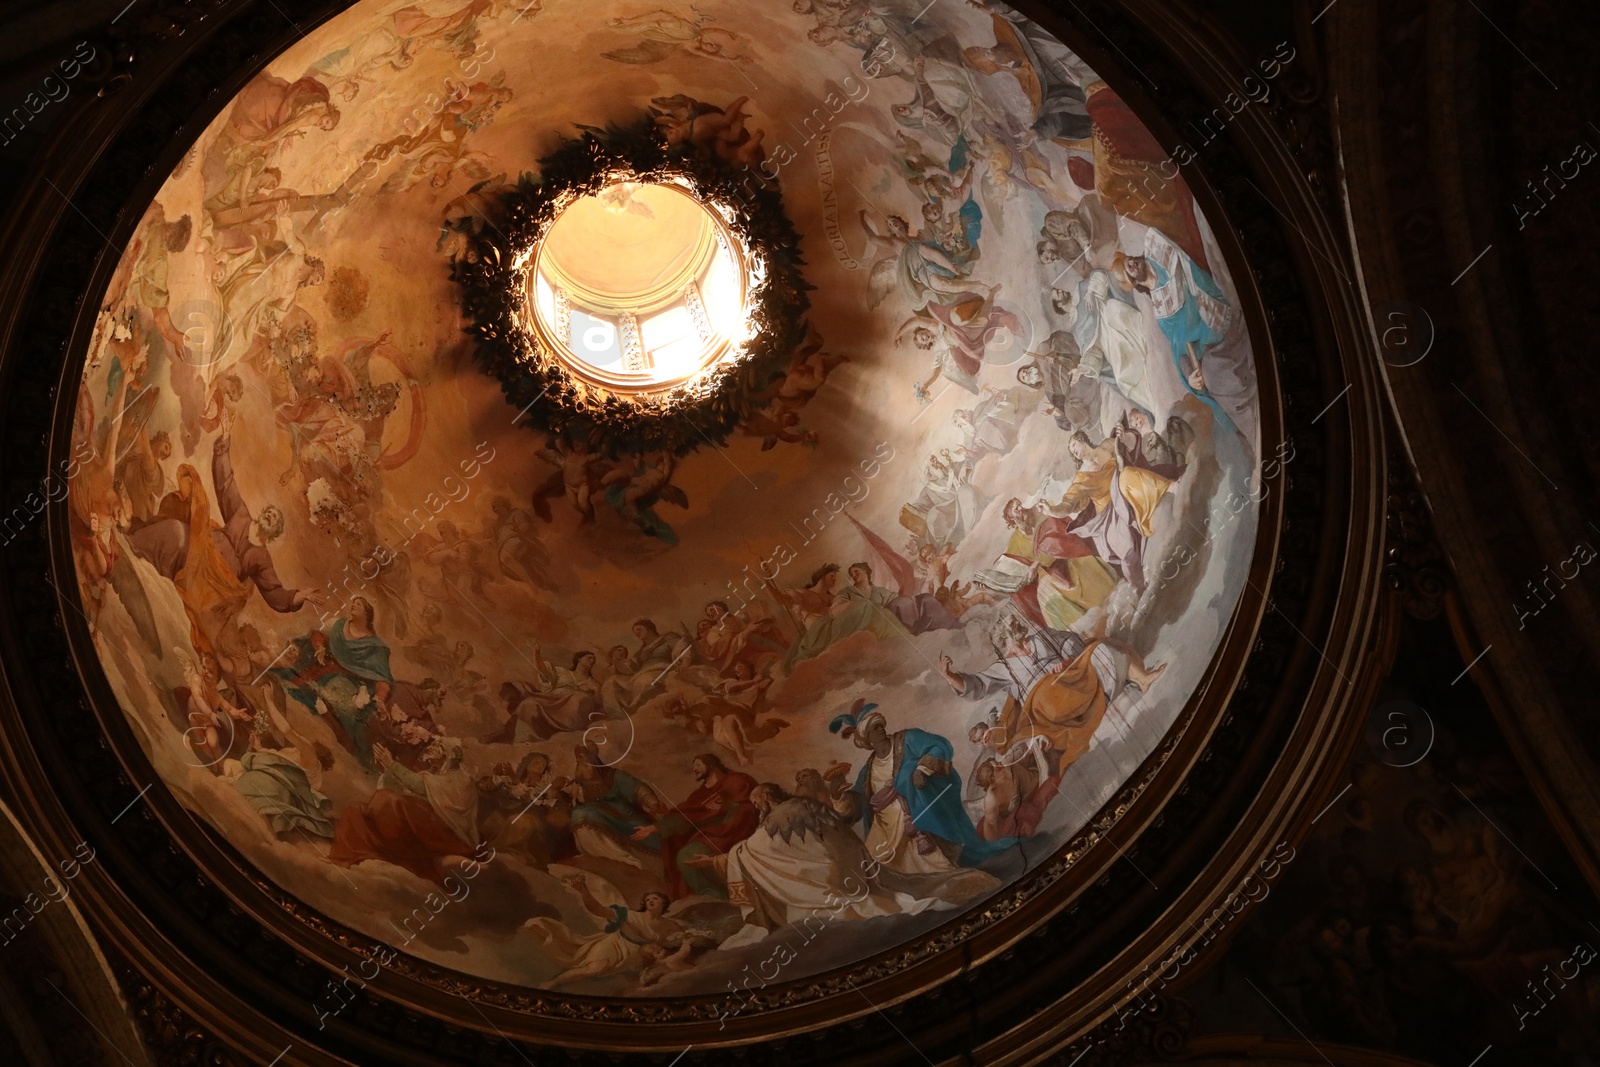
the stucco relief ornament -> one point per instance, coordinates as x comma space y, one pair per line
633, 296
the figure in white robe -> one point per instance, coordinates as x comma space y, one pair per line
993, 423
946, 508
1111, 335
255, 286
624, 944
805, 862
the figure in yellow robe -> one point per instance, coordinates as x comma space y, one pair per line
1114, 505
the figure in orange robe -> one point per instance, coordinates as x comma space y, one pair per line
1131, 172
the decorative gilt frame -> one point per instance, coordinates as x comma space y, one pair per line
1036, 968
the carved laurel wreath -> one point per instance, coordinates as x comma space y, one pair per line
493, 274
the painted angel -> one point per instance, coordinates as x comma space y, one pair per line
636, 484
577, 475
773, 424
711, 129
645, 941
214, 722
808, 372
518, 551
469, 214
933, 178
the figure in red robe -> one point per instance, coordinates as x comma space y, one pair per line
716, 816
1134, 175
1069, 576
417, 821
270, 109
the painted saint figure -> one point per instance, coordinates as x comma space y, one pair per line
343, 674
958, 333
1190, 308
1113, 504
560, 700
526, 815
215, 566
1067, 577
716, 816
828, 616
993, 423
909, 796
1164, 454
917, 612
1110, 332
609, 806
1051, 685
804, 863
280, 790
416, 821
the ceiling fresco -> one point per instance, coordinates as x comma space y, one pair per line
666, 724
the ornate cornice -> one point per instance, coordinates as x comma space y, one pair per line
171, 1035
1499, 448
1414, 564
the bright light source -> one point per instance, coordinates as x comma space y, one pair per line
672, 325
723, 292
644, 255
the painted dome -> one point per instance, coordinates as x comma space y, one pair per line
519, 701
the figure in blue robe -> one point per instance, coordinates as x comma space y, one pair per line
348, 675
616, 806
1190, 308
934, 806
969, 228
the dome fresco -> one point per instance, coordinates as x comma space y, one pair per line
552, 715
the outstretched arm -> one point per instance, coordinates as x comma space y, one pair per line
912, 323
943, 262
259, 569
1041, 765
657, 15
230, 501
718, 863
401, 779
595, 908
257, 562
948, 668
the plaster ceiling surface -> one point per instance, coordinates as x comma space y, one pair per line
350, 700
623, 253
